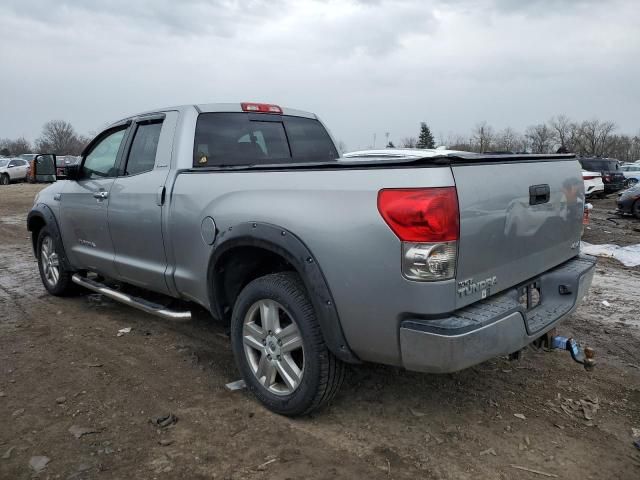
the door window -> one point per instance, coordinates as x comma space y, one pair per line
142, 156
101, 160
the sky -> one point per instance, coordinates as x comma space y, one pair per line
365, 67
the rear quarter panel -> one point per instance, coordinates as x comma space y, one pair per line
335, 214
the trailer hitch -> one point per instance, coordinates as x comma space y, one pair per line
583, 356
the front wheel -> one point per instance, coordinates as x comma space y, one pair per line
4, 179
279, 348
54, 277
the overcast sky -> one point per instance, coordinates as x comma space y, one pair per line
364, 67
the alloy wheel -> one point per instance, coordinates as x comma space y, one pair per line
49, 261
273, 347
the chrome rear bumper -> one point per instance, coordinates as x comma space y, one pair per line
496, 326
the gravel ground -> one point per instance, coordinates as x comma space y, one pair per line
74, 392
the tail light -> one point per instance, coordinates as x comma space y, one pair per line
607, 178
260, 108
426, 220
589, 177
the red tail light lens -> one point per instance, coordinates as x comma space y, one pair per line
589, 178
421, 214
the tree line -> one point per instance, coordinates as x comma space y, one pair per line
58, 136
560, 133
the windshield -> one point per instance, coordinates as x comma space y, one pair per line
227, 139
4, 163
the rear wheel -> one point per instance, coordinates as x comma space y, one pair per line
54, 277
4, 179
279, 348
635, 209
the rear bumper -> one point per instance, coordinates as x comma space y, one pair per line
496, 326
593, 189
613, 187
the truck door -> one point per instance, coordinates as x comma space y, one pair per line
84, 202
136, 203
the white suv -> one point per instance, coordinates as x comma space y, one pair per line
593, 184
13, 169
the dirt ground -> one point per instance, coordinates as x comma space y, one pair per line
64, 373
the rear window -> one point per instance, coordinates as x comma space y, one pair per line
252, 139
599, 165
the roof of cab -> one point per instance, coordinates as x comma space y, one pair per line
211, 108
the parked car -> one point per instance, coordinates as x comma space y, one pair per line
631, 174
315, 261
28, 156
63, 161
609, 168
593, 184
629, 201
13, 170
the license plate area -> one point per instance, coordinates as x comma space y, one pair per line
530, 295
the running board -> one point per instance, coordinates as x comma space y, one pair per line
135, 302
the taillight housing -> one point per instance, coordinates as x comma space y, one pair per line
426, 220
260, 108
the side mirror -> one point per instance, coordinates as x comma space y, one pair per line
11, 165
72, 172
44, 168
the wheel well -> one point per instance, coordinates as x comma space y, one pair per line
35, 225
236, 268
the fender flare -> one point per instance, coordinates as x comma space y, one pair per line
284, 243
43, 212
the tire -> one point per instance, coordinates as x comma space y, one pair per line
635, 209
278, 355
54, 277
630, 182
4, 179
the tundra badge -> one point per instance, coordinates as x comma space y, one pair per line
469, 287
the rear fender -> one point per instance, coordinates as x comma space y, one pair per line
295, 252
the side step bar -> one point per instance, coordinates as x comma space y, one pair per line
135, 302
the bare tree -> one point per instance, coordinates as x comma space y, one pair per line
596, 136
540, 138
483, 136
409, 142
59, 137
12, 148
509, 140
562, 128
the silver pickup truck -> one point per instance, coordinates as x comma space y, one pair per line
433, 262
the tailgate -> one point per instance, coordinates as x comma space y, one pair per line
517, 220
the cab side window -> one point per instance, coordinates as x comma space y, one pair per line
101, 160
142, 155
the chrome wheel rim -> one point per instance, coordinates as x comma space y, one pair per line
49, 261
273, 347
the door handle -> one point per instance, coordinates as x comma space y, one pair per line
101, 195
539, 194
